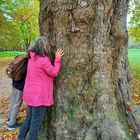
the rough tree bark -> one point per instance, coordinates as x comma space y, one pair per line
93, 88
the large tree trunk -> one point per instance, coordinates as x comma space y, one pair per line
93, 88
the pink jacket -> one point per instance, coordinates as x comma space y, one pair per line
38, 89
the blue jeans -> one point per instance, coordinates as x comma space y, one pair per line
32, 123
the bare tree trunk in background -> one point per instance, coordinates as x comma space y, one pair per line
93, 88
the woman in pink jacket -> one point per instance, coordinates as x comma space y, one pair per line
38, 89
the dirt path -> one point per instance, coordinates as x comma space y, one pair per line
5, 82
5, 91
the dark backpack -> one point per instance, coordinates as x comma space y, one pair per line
17, 69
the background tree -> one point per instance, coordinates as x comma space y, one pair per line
134, 23
93, 90
19, 24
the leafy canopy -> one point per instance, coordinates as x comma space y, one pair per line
134, 23
19, 23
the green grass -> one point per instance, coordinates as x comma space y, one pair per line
134, 61
10, 53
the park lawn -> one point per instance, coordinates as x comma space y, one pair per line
10, 53
134, 61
